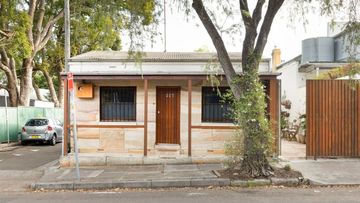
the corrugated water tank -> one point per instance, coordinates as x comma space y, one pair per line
320, 49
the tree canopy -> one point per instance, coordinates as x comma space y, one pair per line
32, 37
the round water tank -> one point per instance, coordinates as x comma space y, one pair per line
319, 49
308, 50
325, 49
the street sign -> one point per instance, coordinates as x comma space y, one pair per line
70, 79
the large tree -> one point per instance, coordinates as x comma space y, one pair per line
32, 37
94, 28
248, 94
30, 25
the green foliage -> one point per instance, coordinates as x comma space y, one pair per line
15, 21
250, 114
202, 49
287, 167
234, 149
302, 119
39, 79
96, 25
346, 70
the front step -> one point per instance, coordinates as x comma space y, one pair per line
168, 150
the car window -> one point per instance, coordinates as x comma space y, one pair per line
37, 122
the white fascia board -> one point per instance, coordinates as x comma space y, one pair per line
143, 68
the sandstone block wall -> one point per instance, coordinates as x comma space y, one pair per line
130, 141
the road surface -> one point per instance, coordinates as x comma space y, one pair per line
259, 195
24, 165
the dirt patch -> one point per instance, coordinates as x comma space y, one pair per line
235, 174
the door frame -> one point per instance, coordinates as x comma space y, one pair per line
178, 106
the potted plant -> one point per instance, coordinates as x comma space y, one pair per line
284, 119
302, 131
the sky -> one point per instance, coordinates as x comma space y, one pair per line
188, 35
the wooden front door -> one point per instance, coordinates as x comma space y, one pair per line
168, 115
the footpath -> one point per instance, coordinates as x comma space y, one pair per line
321, 172
146, 176
325, 172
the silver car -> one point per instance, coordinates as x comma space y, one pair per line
42, 130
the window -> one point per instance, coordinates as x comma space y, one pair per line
117, 104
214, 108
37, 122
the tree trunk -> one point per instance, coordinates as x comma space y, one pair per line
248, 91
26, 82
257, 133
61, 90
51, 88
13, 93
37, 92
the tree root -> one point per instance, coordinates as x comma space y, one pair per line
256, 166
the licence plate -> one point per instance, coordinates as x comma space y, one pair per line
35, 136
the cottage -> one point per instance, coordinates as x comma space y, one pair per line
163, 110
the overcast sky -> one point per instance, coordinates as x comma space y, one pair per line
188, 36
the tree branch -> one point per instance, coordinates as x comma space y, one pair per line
4, 59
273, 8
47, 31
40, 21
36, 88
223, 55
5, 68
12, 66
31, 13
51, 86
258, 12
245, 13
5, 34
250, 31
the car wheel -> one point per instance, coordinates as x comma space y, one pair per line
53, 140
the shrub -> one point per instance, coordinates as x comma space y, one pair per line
287, 167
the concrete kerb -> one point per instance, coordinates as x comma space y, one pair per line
9, 147
217, 182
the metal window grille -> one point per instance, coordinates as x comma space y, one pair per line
214, 108
117, 104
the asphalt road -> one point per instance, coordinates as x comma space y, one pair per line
29, 157
275, 195
24, 165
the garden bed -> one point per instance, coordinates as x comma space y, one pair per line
281, 173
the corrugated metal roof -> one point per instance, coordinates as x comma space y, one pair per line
111, 56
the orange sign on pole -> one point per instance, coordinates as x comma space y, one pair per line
70, 79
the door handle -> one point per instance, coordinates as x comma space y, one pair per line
158, 112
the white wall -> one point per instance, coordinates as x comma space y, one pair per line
293, 88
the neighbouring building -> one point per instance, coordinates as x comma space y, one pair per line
319, 55
34, 101
162, 110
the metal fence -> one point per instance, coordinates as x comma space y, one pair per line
17, 117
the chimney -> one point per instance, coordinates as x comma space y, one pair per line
276, 58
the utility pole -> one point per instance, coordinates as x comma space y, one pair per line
66, 92
7, 117
164, 25
70, 86
67, 35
